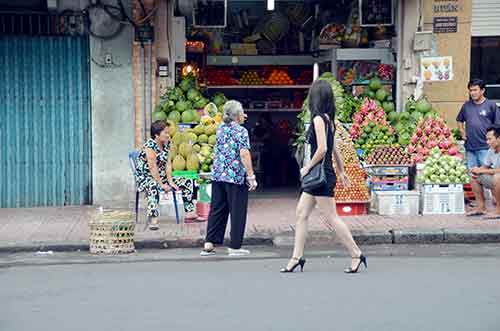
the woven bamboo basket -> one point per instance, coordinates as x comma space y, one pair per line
112, 232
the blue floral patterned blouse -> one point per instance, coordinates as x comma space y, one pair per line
228, 167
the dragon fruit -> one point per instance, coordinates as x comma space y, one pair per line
369, 112
432, 133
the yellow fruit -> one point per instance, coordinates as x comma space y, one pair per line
193, 163
185, 149
218, 118
179, 163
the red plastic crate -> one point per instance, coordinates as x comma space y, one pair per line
352, 208
468, 192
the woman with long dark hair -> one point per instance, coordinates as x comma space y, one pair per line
321, 136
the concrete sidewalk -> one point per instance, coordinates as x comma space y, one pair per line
271, 221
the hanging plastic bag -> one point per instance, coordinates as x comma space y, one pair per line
167, 206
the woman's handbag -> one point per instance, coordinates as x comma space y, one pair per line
316, 177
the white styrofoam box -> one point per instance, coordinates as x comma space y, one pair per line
396, 202
442, 199
442, 188
167, 208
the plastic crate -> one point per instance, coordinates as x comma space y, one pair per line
396, 184
468, 192
389, 186
442, 199
375, 170
352, 208
396, 203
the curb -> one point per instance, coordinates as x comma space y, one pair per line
286, 239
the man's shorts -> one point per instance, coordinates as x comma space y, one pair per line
475, 159
486, 181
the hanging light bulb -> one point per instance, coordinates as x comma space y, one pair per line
270, 4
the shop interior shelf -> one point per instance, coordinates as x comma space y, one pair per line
366, 82
259, 60
279, 110
258, 86
384, 55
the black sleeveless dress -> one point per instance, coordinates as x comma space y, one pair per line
327, 190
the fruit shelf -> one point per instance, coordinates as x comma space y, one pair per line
258, 86
367, 82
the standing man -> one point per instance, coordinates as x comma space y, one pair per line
474, 119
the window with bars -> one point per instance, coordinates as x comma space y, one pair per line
42, 24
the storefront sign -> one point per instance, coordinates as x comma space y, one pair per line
437, 69
445, 24
447, 6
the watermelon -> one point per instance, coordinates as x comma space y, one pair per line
159, 116
181, 106
404, 116
187, 116
423, 106
381, 95
174, 116
375, 84
388, 107
193, 95
393, 116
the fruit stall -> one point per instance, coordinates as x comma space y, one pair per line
399, 161
265, 58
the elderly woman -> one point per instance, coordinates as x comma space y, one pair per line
232, 178
154, 169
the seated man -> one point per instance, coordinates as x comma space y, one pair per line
488, 176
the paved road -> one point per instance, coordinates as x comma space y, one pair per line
418, 288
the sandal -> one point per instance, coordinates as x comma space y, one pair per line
210, 251
207, 252
492, 217
475, 213
153, 225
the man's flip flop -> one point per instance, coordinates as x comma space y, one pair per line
208, 252
492, 217
475, 213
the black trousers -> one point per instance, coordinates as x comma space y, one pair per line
227, 199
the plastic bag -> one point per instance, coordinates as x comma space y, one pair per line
167, 207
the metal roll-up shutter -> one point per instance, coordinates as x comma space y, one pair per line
45, 138
485, 18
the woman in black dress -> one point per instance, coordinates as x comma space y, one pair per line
321, 136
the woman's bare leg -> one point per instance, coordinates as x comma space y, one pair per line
304, 209
328, 209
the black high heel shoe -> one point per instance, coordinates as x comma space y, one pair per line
300, 262
362, 259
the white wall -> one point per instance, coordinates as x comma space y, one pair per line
112, 114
